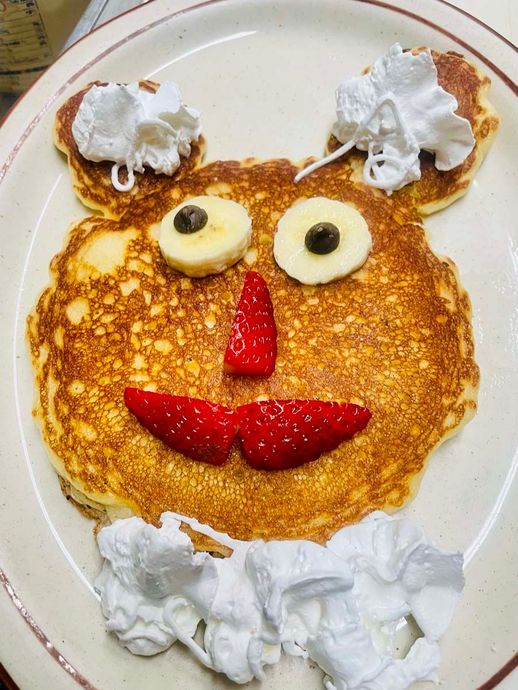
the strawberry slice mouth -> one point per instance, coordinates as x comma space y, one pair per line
273, 434
281, 434
199, 429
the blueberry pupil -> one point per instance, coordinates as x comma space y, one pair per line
190, 219
322, 238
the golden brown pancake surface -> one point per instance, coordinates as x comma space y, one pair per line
394, 336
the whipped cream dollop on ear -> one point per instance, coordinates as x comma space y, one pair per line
394, 112
339, 604
136, 128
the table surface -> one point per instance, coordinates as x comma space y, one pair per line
500, 15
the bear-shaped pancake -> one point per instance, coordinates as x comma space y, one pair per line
394, 336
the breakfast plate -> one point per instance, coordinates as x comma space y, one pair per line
263, 76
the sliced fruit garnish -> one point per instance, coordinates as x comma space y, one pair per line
205, 235
319, 240
278, 434
199, 429
252, 345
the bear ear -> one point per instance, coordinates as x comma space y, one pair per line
92, 181
436, 188
439, 188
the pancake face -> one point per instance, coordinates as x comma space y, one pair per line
394, 336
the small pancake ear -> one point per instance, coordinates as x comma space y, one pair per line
436, 189
439, 188
92, 181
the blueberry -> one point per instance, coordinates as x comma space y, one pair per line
322, 238
190, 219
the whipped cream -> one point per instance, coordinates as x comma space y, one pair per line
339, 604
135, 128
393, 112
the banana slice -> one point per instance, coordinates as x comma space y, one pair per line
319, 240
205, 235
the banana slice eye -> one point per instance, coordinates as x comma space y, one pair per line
205, 235
319, 240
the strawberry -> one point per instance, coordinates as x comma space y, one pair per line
277, 434
252, 345
199, 429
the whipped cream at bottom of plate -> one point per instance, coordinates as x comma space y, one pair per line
339, 604
135, 128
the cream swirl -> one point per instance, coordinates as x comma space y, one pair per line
339, 604
135, 128
393, 112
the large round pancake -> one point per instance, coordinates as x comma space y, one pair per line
394, 336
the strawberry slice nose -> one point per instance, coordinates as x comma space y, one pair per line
252, 345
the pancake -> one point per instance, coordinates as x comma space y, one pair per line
92, 181
437, 189
394, 336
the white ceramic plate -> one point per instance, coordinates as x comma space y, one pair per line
263, 75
